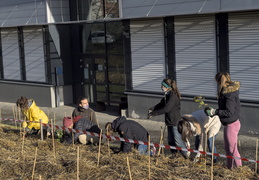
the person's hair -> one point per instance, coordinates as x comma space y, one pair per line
22, 102
81, 98
223, 79
173, 85
184, 128
109, 129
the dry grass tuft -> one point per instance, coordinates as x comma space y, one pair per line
15, 165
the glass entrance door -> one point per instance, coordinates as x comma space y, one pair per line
95, 80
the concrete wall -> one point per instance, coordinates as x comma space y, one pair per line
138, 106
157, 8
44, 95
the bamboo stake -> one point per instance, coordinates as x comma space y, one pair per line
108, 143
14, 117
160, 142
73, 136
212, 158
40, 177
163, 149
52, 130
239, 144
54, 119
100, 140
23, 137
19, 116
16, 114
41, 130
129, 168
256, 155
77, 177
34, 164
205, 149
149, 173
0, 114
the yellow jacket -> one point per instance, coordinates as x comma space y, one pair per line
34, 113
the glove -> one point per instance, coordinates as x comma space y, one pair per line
209, 111
149, 114
24, 124
197, 158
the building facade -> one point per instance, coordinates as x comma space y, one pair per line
117, 51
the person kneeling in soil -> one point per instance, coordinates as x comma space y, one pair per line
130, 130
198, 124
82, 124
33, 114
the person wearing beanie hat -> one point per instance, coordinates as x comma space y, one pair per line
170, 106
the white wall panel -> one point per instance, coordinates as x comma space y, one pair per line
148, 57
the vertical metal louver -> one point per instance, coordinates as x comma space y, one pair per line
10, 51
148, 55
34, 54
195, 48
244, 53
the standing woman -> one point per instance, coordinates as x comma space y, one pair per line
229, 114
33, 114
170, 105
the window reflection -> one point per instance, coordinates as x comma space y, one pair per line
94, 9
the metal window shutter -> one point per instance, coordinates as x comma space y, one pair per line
244, 53
195, 47
34, 54
148, 57
10, 51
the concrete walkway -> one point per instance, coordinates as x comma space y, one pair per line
57, 113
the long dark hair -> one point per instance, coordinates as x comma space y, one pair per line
173, 85
184, 128
22, 102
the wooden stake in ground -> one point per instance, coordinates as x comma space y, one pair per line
53, 142
163, 149
73, 139
34, 164
23, 137
256, 155
100, 141
212, 158
205, 149
0, 115
41, 130
160, 141
149, 158
14, 116
108, 143
129, 168
77, 177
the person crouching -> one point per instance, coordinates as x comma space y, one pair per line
130, 130
83, 124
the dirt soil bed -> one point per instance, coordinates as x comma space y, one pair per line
63, 164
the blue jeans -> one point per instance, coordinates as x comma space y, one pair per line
209, 144
175, 139
143, 149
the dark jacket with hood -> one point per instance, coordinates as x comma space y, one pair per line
85, 113
229, 104
170, 105
83, 124
130, 130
